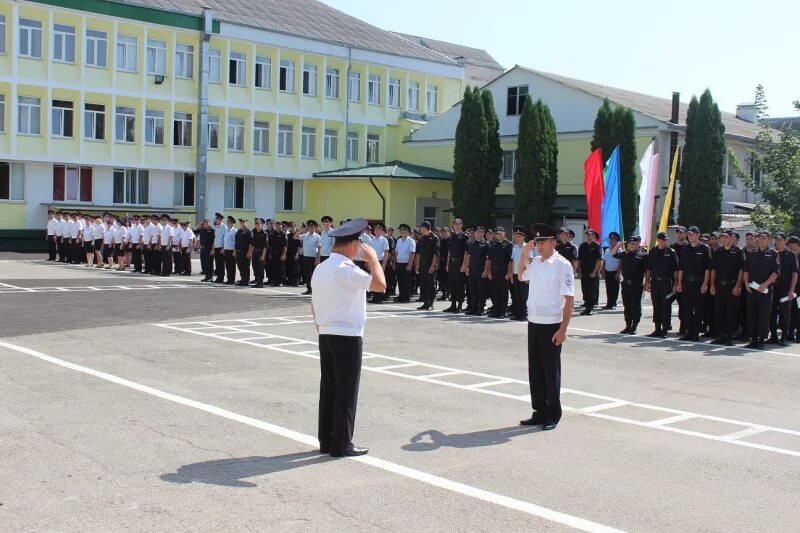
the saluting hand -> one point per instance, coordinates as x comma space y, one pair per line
529, 246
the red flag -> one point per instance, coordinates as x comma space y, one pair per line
595, 189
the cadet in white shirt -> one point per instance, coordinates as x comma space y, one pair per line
59, 231
135, 236
219, 247
52, 245
73, 234
88, 244
186, 244
177, 258
312, 241
99, 230
404, 250
229, 247
120, 234
165, 245
147, 236
550, 301
108, 244
155, 247
339, 307
380, 244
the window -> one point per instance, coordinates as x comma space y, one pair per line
30, 114
431, 99
429, 214
285, 146
394, 92
213, 132
94, 121
754, 168
236, 68
308, 143
509, 165
413, 96
61, 118
63, 43
516, 99
286, 74
263, 72
126, 53
96, 47
239, 192
182, 129
72, 183
214, 65
154, 126
236, 134
184, 61
352, 146
730, 172
354, 87
2, 34
310, 80
374, 89
261, 137
12, 181
30, 38
373, 148
125, 125
156, 56
289, 195
2, 113
330, 145
331, 83
184, 189
131, 186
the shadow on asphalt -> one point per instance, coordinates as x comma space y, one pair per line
669, 345
432, 439
231, 472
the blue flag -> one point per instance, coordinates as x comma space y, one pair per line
611, 209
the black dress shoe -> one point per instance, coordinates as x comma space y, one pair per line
324, 449
625, 331
451, 309
781, 342
547, 426
258, 286
718, 341
306, 293
752, 345
687, 337
423, 307
532, 421
729, 341
655, 334
772, 340
351, 451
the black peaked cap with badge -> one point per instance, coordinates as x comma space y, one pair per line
542, 232
350, 229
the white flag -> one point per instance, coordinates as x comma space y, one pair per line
648, 169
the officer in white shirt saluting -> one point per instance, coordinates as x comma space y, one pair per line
339, 307
550, 301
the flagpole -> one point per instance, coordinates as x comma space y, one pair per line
668, 200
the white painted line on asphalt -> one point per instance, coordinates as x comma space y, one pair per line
747, 432
391, 367
575, 522
671, 419
603, 406
442, 374
489, 383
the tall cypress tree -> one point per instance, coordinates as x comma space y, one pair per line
625, 128
469, 160
536, 179
494, 152
604, 130
702, 165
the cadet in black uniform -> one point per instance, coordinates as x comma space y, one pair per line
662, 265
441, 275
633, 265
694, 273
293, 256
205, 235
744, 326
242, 249
500, 266
726, 286
680, 234
456, 267
784, 290
477, 257
794, 245
761, 266
566, 248
258, 252
278, 245
590, 258
426, 259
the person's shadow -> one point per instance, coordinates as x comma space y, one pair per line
432, 439
231, 472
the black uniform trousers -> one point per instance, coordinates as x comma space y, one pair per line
166, 260
475, 295
590, 288
759, 306
243, 265
403, 282
219, 263
427, 289
441, 276
136, 257
340, 363
519, 298
258, 266
308, 270
277, 267
148, 258
781, 315
293, 269
612, 288
726, 308
456, 280
743, 324
631, 301
544, 371
391, 279
206, 262
230, 266
52, 247
186, 260
693, 305
660, 288
499, 291
61, 249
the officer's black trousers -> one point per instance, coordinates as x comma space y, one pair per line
612, 289
632, 301
136, 257
743, 324
276, 269
391, 278
230, 266
258, 266
166, 261
308, 270
52, 246
475, 297
726, 309
293, 270
243, 265
219, 263
206, 262
781, 315
519, 298
544, 371
441, 275
590, 287
662, 307
455, 281
340, 365
427, 290
177, 259
499, 291
693, 306
759, 306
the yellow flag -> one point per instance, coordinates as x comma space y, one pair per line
668, 201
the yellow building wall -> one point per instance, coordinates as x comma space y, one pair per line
12, 215
403, 194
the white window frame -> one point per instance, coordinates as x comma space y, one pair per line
183, 122
90, 117
30, 31
214, 65
264, 71
730, 174
248, 185
308, 142
29, 107
235, 142
351, 145
519, 103
332, 83
393, 93
75, 172
154, 123
64, 38
512, 155
287, 66
184, 61
132, 189
16, 181
127, 51
330, 144
374, 89
412, 102
309, 79
354, 87
212, 123
285, 140
431, 91
127, 115
94, 40
260, 137
298, 195
179, 196
2, 113
373, 148
237, 66
58, 115
156, 57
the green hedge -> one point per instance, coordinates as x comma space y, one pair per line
22, 240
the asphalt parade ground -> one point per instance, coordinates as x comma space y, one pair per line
131, 402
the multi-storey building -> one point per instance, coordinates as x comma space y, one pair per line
214, 105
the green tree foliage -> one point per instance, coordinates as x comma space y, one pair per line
701, 171
469, 161
494, 152
536, 179
604, 130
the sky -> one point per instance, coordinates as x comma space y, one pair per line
677, 45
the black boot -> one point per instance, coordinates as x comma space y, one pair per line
627, 329
655, 334
451, 309
773, 338
632, 329
782, 340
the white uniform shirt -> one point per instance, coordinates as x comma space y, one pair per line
380, 245
166, 233
404, 248
51, 227
74, 229
186, 237
157, 229
147, 233
229, 242
135, 233
177, 235
88, 233
337, 293
119, 234
219, 235
108, 235
311, 243
99, 230
59, 228
550, 281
